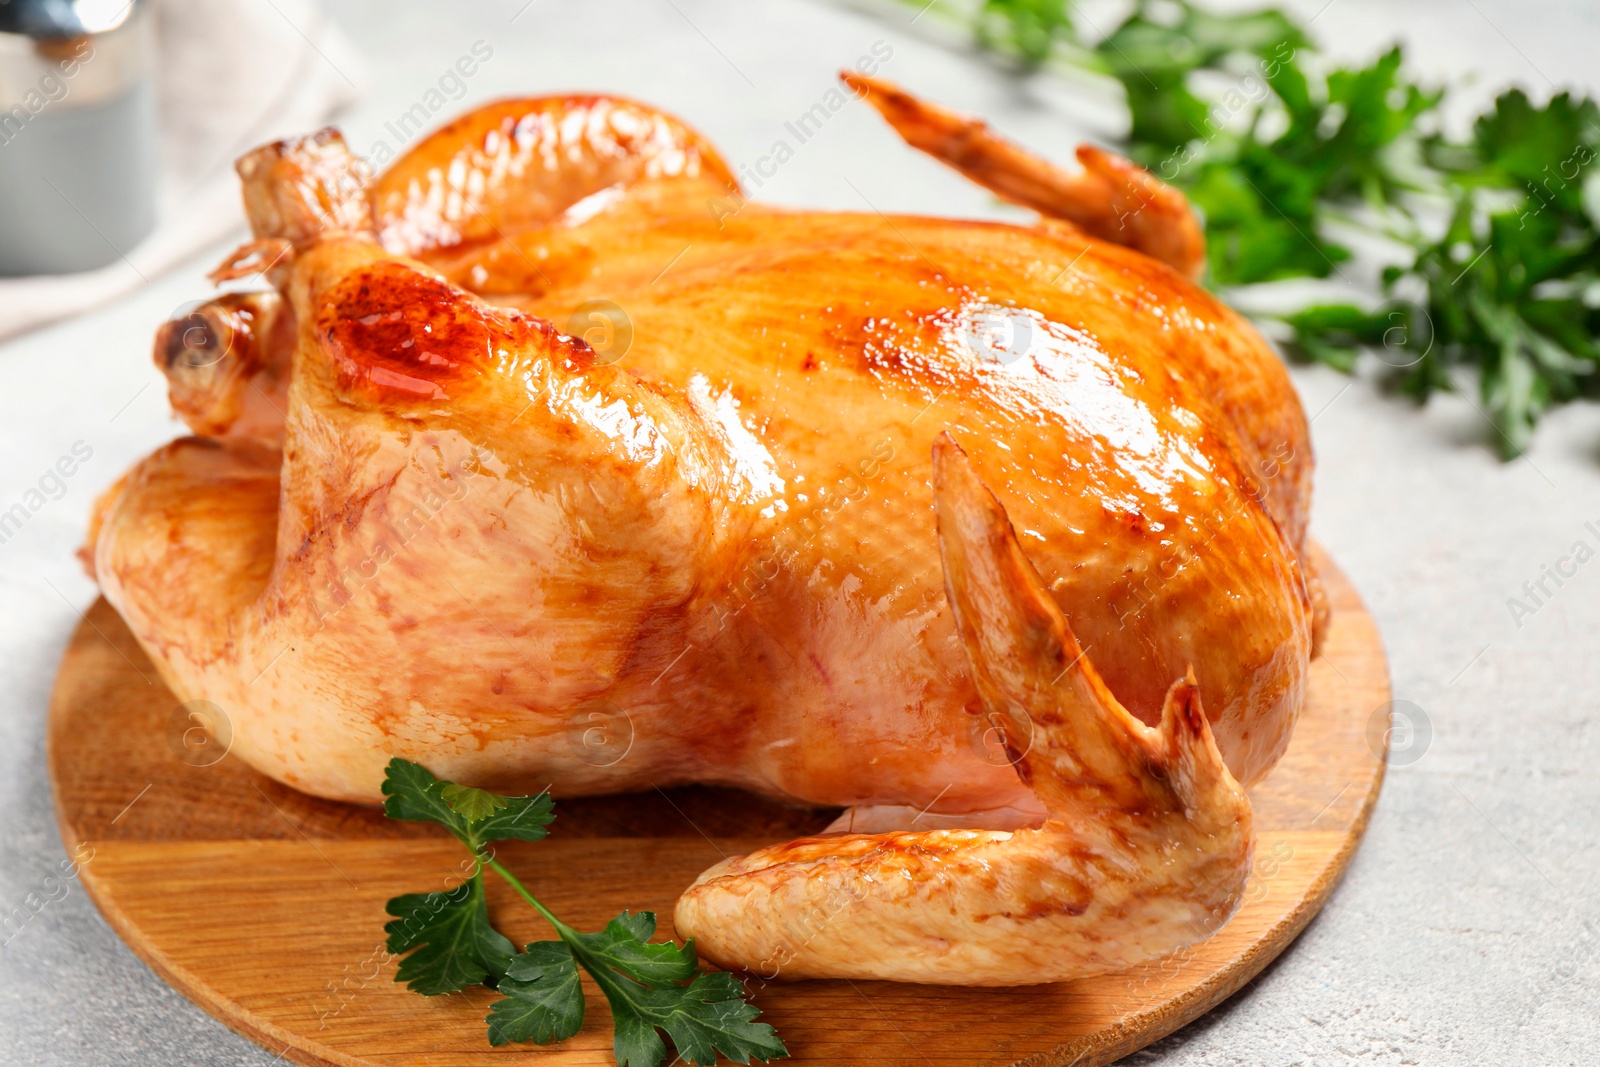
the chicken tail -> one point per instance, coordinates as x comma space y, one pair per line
1145, 848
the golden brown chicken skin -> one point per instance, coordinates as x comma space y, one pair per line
574, 433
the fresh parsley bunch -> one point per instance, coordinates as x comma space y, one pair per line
650, 986
1511, 287
1498, 236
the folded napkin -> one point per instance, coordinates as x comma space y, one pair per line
230, 74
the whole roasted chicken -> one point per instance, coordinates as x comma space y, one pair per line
549, 459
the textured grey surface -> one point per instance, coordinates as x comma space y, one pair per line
1463, 933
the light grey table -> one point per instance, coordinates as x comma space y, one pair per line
1464, 932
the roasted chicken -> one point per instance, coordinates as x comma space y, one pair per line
547, 459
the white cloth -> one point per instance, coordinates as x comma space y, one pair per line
230, 74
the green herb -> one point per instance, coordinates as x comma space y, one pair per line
1497, 268
455, 945
1511, 287
1028, 29
1154, 58
652, 987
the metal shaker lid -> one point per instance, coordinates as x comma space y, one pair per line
55, 19
66, 55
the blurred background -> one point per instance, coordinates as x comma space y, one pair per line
1464, 931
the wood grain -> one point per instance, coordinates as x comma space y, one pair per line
266, 907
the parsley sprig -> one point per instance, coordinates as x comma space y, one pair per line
652, 987
1493, 240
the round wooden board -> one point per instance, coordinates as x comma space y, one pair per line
266, 907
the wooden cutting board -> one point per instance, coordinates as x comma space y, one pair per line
266, 907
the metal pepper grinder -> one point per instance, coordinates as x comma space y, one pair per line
78, 134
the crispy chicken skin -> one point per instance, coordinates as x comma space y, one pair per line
949, 523
1146, 843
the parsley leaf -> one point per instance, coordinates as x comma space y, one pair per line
1335, 334
474, 805
1345, 142
1511, 287
455, 945
624, 946
651, 986
642, 983
1027, 28
474, 816
543, 997
1153, 56
1250, 238
1518, 145
708, 1016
